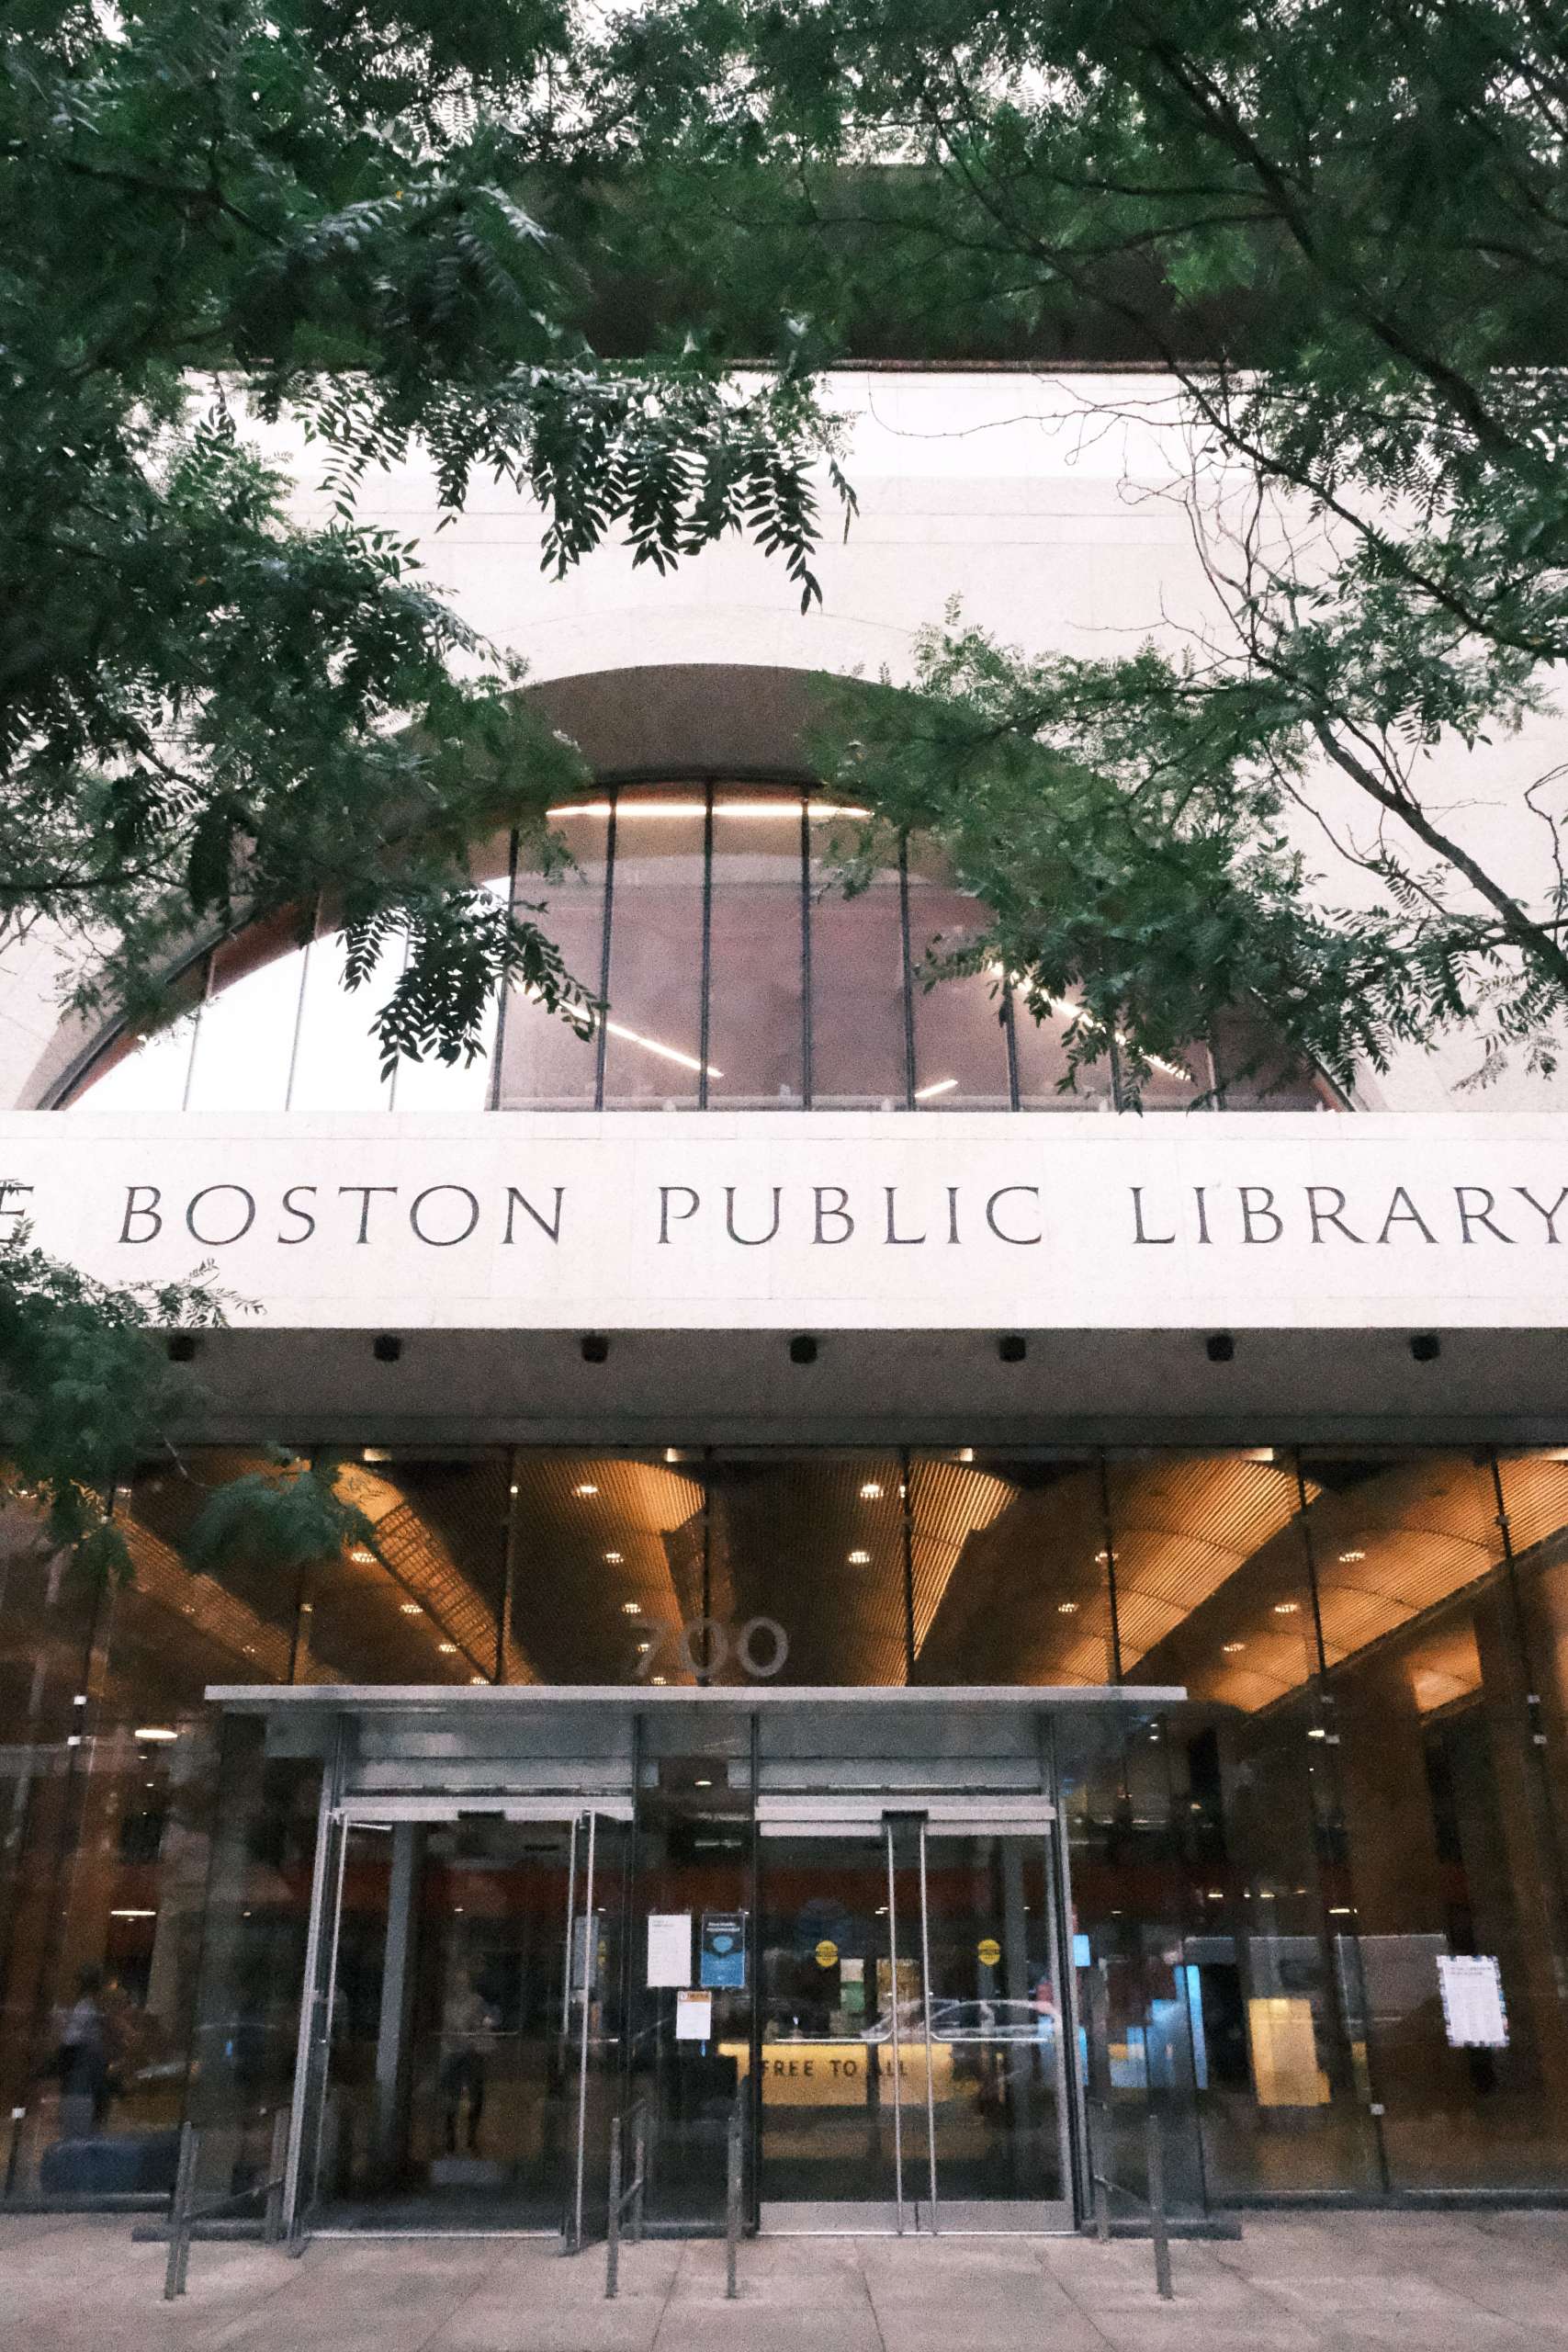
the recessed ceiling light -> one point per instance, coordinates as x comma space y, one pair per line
586, 1489
447, 1649
411, 1609
1066, 1608
1103, 1559
643, 1648
367, 1558
1352, 1556
1286, 1607
871, 1492
479, 1677
1231, 1649
631, 1609
614, 1559
659, 1679
860, 1559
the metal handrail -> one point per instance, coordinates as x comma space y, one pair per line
184, 2213
1105, 2188
633, 2194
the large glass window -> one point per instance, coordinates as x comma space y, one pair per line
1320, 1897
733, 969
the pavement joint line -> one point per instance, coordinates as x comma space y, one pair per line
870, 2298
676, 2270
468, 2295
1050, 2277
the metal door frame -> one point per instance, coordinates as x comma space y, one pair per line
958, 1816
338, 1815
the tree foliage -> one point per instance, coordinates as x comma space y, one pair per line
212, 711
88, 1388
219, 703
1341, 233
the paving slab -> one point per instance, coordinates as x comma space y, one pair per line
1294, 2282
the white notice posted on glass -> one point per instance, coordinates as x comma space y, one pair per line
669, 1948
1474, 2014
693, 2016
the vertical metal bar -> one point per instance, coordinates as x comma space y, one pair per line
909, 973
508, 1570
179, 2208
277, 2157
926, 1978
1108, 1526
299, 1024
640, 2178
705, 1647
582, 2046
1157, 2206
1009, 1033
753, 1975
806, 951
329, 2004
707, 953
907, 1499
604, 935
1060, 1944
570, 1909
504, 993
612, 2232
732, 2204
327, 1833
893, 2011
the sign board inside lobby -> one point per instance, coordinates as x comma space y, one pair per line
854, 1222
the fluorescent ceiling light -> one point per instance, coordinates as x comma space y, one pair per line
699, 808
939, 1086
665, 1053
156, 1731
132, 1915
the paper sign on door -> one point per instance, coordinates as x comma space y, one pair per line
669, 1948
693, 2016
1473, 2013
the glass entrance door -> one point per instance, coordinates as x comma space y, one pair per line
468, 2023
913, 2071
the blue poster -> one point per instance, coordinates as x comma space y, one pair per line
722, 1968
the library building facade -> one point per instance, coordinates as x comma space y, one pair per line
935, 1614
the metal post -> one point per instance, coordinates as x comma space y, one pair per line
590, 1953
893, 2014
277, 2159
1101, 2193
1157, 2207
926, 1978
732, 2205
640, 2178
613, 2235
179, 2216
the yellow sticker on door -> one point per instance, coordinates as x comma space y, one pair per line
826, 1953
989, 1950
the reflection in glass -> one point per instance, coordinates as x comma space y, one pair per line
859, 1040
653, 1049
544, 1065
961, 1045
755, 1032
716, 921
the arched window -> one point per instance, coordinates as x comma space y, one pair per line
713, 922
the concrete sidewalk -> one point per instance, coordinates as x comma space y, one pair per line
1462, 2282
